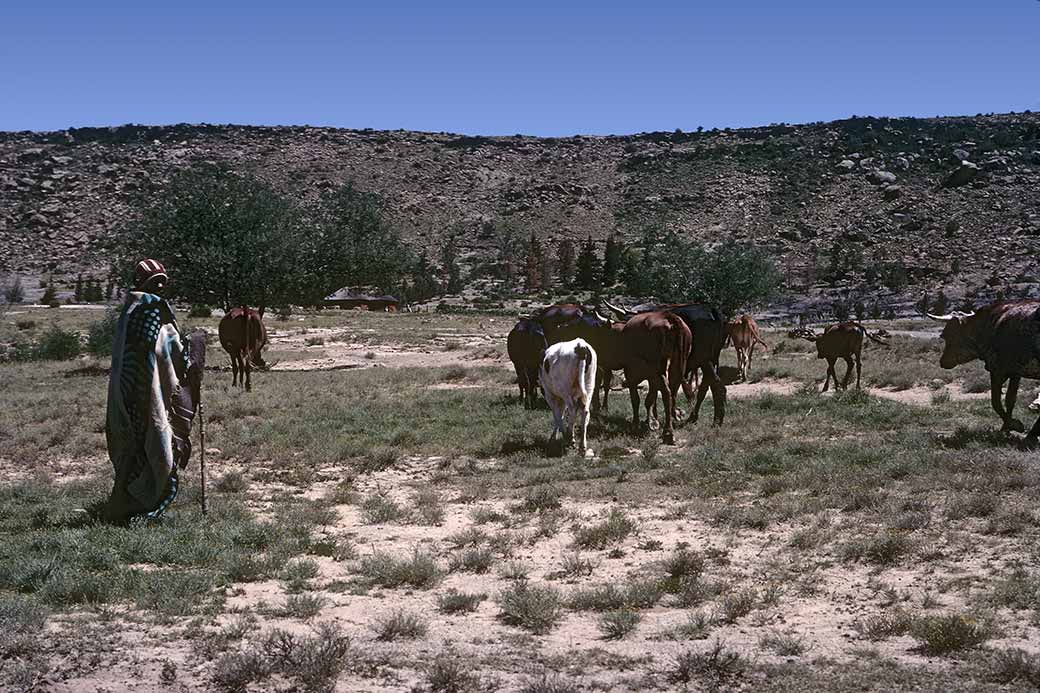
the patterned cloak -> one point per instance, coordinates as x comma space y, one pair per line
149, 361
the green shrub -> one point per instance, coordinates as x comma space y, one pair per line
199, 310
535, 608
101, 334
56, 344
943, 634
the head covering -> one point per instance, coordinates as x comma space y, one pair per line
148, 269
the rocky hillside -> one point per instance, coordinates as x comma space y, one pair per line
865, 202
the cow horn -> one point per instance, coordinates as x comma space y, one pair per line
941, 318
619, 311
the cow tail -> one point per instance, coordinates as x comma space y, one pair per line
584, 355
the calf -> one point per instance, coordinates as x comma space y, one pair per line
568, 379
243, 335
841, 341
526, 348
742, 332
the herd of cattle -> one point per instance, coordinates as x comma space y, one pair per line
568, 353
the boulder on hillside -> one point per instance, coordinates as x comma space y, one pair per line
881, 177
962, 175
846, 165
902, 163
891, 192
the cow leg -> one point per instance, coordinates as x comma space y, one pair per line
521, 382
750, 355
848, 374
633, 394
996, 390
830, 372
583, 426
608, 378
248, 366
1033, 437
650, 403
234, 371
667, 433
859, 369
718, 392
1011, 423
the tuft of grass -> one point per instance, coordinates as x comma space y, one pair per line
785, 644
1015, 666
1019, 590
21, 622
232, 482
613, 530
615, 625
540, 499
536, 608
380, 510
697, 626
377, 460
884, 625
313, 663
575, 565
419, 571
514, 570
550, 683
475, 560
399, 625
467, 537
885, 548
736, 605
454, 602
942, 634
637, 594
711, 668
297, 574
303, 606
428, 508
449, 673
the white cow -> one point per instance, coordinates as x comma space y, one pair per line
568, 378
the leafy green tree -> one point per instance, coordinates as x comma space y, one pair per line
424, 284
588, 270
731, 276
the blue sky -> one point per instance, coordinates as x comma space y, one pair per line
539, 68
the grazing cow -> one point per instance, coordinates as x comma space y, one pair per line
526, 347
708, 332
841, 341
649, 346
568, 378
243, 335
742, 332
1006, 337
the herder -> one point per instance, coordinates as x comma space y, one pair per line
149, 416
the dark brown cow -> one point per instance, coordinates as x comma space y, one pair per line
649, 346
841, 341
552, 317
526, 348
1006, 337
243, 335
742, 332
708, 331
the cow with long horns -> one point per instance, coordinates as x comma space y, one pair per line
841, 341
708, 334
1006, 337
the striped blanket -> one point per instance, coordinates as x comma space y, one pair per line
149, 362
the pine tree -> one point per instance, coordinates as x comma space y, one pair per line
565, 262
533, 262
450, 266
588, 270
77, 294
547, 268
612, 256
49, 295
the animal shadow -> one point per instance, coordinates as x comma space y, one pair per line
963, 437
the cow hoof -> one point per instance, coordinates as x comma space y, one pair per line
653, 425
668, 438
1030, 443
1014, 425
589, 454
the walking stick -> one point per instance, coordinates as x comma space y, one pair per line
202, 453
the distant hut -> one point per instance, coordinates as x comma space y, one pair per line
348, 299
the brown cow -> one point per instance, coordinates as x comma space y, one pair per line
742, 332
709, 333
526, 348
841, 341
243, 335
649, 346
1006, 336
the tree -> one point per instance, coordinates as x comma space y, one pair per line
548, 267
588, 270
424, 285
450, 265
731, 276
77, 294
534, 258
229, 239
613, 255
565, 262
